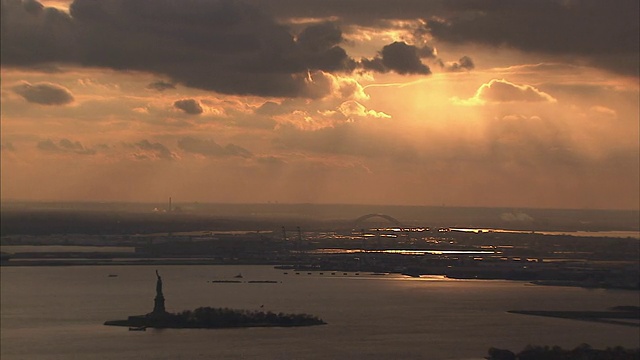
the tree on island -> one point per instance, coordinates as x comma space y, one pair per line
205, 317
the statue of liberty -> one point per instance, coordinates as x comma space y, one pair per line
158, 306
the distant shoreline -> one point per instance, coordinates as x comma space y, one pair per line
615, 317
25, 218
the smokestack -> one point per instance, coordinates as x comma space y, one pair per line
170, 204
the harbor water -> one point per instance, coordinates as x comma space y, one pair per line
58, 313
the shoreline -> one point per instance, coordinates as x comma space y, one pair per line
614, 317
458, 275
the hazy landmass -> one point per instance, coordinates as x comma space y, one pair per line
588, 248
134, 218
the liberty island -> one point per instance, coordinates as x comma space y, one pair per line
210, 318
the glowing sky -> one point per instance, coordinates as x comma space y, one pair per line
461, 102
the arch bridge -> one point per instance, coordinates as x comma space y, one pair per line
391, 219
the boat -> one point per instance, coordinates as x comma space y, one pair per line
239, 276
137, 328
113, 275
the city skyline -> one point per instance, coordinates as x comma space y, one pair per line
462, 103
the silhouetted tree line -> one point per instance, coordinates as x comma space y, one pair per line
207, 317
582, 352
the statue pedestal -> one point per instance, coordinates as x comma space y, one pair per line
158, 304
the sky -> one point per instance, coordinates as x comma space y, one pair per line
491, 103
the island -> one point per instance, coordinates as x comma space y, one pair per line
627, 315
583, 351
210, 318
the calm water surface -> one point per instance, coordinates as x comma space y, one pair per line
57, 313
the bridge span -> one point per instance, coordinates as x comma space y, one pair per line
389, 218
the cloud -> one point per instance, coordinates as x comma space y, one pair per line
500, 91
238, 47
427, 51
211, 148
151, 151
464, 64
320, 37
353, 108
189, 106
399, 57
161, 85
361, 12
270, 108
225, 46
64, 146
605, 34
44, 93
34, 35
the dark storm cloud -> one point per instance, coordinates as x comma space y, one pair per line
225, 46
604, 32
320, 37
189, 106
231, 47
399, 57
361, 12
64, 146
44, 93
238, 47
374, 64
318, 48
33, 34
211, 148
427, 52
161, 85
214, 45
